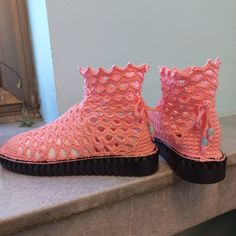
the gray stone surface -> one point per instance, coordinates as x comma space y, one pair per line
157, 213
28, 200
160, 204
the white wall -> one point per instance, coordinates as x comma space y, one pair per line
175, 33
43, 58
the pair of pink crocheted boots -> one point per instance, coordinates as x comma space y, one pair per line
108, 132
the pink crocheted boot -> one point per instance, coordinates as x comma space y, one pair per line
105, 134
187, 130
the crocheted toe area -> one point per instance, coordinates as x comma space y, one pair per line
52, 142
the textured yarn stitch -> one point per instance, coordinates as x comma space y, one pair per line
187, 119
111, 120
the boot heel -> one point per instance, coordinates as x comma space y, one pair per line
193, 171
187, 123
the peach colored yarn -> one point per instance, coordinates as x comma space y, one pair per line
187, 111
111, 120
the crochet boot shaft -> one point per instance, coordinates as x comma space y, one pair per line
187, 119
115, 113
110, 121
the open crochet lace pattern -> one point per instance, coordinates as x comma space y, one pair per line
111, 120
187, 119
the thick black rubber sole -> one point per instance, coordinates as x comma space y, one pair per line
118, 166
193, 171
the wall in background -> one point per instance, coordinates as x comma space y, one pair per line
175, 33
43, 58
